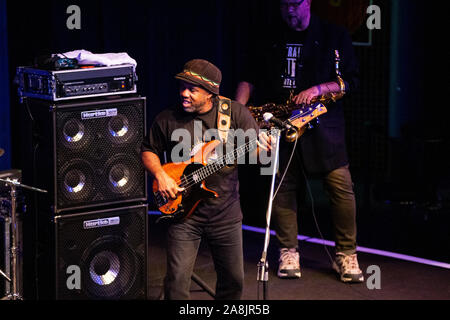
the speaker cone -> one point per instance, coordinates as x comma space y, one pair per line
110, 268
73, 134
122, 174
104, 268
75, 180
121, 129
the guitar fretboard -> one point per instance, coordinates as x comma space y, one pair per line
211, 168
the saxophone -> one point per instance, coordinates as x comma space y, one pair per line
282, 111
333, 97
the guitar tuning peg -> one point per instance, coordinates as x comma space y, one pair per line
317, 121
310, 126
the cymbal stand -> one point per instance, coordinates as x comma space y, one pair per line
15, 246
263, 265
3, 273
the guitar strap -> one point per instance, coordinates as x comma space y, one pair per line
224, 117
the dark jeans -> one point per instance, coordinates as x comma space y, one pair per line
339, 186
225, 243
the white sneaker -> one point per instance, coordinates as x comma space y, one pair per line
348, 268
289, 264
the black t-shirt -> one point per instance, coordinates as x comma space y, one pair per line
274, 65
293, 61
284, 60
323, 148
177, 135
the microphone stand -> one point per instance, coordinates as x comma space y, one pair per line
4, 275
203, 285
263, 265
15, 260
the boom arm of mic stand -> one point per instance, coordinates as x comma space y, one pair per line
263, 265
16, 183
5, 275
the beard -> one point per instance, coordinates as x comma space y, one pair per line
192, 106
298, 22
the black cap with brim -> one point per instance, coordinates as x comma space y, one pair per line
201, 73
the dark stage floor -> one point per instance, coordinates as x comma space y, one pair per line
399, 279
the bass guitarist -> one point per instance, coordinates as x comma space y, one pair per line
178, 134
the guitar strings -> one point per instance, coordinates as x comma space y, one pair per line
188, 181
203, 172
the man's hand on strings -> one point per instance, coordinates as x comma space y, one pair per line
167, 186
265, 141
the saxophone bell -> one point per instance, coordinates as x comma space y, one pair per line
291, 134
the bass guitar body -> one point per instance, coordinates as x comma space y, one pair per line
195, 190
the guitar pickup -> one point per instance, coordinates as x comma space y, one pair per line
160, 199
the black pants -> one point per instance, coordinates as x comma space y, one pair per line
225, 243
339, 186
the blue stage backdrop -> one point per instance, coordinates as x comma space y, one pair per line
5, 137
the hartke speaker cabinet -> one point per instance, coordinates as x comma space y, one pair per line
98, 255
87, 237
87, 153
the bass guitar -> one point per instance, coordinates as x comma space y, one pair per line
190, 175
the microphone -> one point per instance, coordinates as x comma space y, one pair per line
268, 117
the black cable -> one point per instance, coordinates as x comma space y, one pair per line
35, 200
285, 170
308, 187
320, 233
309, 192
257, 290
36, 221
29, 112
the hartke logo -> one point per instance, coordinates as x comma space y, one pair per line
99, 223
94, 114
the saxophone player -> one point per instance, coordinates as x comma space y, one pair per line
299, 59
